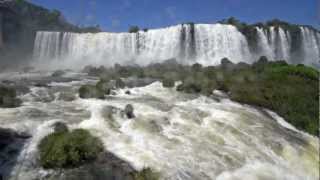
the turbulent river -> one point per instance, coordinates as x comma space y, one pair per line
184, 137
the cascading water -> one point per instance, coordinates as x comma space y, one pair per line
311, 46
189, 43
276, 45
184, 137
203, 43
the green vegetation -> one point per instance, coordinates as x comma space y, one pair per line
8, 98
289, 90
134, 29
168, 82
146, 174
69, 149
250, 32
90, 91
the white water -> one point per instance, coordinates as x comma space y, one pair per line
182, 136
277, 47
311, 47
210, 43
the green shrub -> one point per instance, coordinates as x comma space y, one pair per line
69, 149
146, 174
134, 29
120, 84
291, 91
168, 82
104, 86
90, 91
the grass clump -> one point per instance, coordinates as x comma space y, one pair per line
68, 149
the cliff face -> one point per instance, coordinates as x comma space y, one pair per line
19, 22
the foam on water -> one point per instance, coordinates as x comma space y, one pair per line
184, 136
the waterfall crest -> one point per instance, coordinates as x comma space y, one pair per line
188, 43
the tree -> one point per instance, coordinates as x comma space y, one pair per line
134, 29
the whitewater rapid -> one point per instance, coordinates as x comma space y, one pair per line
184, 137
199, 43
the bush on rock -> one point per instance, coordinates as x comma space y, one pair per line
89, 91
69, 149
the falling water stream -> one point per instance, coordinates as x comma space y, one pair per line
203, 43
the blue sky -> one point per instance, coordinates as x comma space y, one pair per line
119, 15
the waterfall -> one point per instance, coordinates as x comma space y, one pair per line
214, 42
310, 44
275, 45
188, 43
264, 46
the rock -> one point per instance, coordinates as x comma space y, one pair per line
128, 92
69, 149
120, 84
58, 73
41, 84
168, 83
8, 136
89, 91
226, 64
66, 96
11, 144
104, 86
128, 110
60, 127
106, 167
8, 97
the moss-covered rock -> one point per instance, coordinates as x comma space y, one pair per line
104, 86
128, 110
58, 73
90, 91
120, 84
8, 98
69, 149
168, 83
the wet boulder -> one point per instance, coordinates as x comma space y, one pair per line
11, 144
67, 96
120, 84
58, 73
107, 167
128, 110
168, 82
90, 91
226, 64
128, 92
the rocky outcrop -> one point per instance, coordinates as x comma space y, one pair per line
19, 22
11, 144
